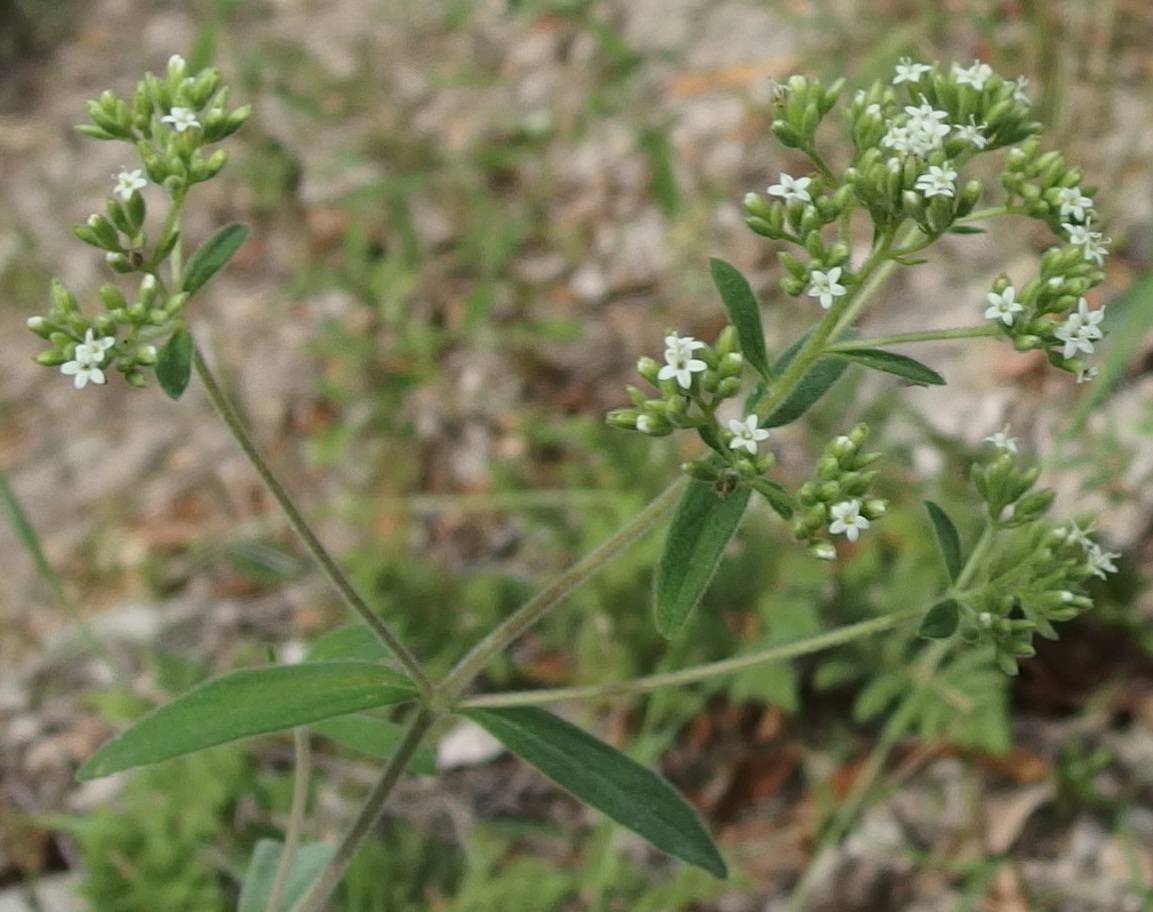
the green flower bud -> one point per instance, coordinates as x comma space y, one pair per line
701, 469
823, 550
51, 358
729, 387
119, 262
41, 326
648, 368
625, 419
874, 508
654, 425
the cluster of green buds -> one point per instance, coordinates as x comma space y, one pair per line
171, 120
836, 501
692, 383
1038, 574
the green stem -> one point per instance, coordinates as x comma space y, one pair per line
300, 524
302, 773
928, 335
875, 280
316, 899
551, 595
696, 673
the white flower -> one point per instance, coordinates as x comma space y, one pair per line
127, 182
1019, 85
1073, 203
847, 519
1080, 330
976, 75
1078, 535
925, 113
181, 119
1092, 242
792, 188
824, 285
82, 373
938, 181
679, 360
1100, 561
973, 133
1087, 373
89, 355
91, 350
1002, 306
1002, 441
907, 71
746, 434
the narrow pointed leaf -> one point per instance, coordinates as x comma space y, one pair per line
701, 527
211, 256
892, 363
947, 538
777, 496
809, 389
174, 363
603, 777
744, 312
376, 737
351, 641
307, 863
940, 621
249, 702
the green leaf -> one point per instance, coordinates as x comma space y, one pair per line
211, 256
701, 527
947, 538
376, 737
892, 363
810, 388
352, 641
940, 621
249, 702
307, 862
603, 777
966, 229
744, 312
174, 363
777, 496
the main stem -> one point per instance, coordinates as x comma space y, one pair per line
300, 524
368, 818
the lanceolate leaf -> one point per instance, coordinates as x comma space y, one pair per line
306, 864
603, 777
947, 538
174, 363
744, 312
211, 256
377, 737
249, 702
811, 387
701, 527
351, 641
892, 363
940, 621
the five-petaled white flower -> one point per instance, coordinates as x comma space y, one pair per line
1019, 85
938, 181
181, 119
824, 285
746, 434
976, 75
1073, 203
973, 133
792, 188
907, 71
1087, 373
89, 355
1100, 561
847, 519
1080, 330
1002, 306
1002, 441
679, 361
128, 182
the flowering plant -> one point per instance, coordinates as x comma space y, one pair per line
911, 141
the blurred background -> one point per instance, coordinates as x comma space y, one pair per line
469, 219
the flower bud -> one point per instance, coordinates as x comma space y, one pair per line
625, 419
649, 368
654, 425
51, 358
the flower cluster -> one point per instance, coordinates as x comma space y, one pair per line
170, 121
836, 501
1039, 571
